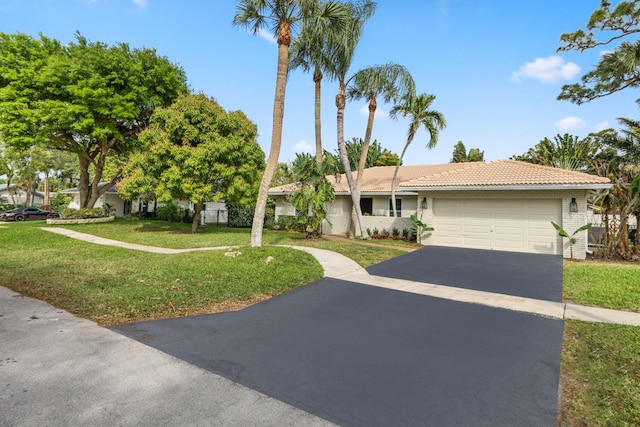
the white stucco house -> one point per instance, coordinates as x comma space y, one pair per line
213, 212
20, 195
500, 205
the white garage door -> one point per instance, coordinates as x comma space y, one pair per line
506, 225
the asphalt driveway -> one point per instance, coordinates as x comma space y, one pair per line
359, 355
535, 276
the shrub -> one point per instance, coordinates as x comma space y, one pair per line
170, 212
287, 222
59, 202
239, 217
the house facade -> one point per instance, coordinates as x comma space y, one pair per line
19, 195
501, 205
212, 212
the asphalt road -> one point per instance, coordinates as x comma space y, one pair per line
358, 355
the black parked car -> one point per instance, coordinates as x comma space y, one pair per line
24, 214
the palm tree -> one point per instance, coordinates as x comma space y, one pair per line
342, 53
391, 82
281, 17
416, 108
309, 52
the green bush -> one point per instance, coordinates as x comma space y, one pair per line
59, 202
288, 222
239, 217
170, 212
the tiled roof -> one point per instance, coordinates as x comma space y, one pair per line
499, 173
504, 173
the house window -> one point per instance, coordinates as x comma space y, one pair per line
366, 205
398, 207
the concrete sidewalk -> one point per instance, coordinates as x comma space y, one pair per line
341, 267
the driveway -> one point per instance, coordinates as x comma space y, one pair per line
359, 355
535, 276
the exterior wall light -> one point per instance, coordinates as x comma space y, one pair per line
573, 205
423, 203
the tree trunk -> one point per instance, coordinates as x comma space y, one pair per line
395, 176
341, 100
196, 217
46, 201
276, 140
317, 79
363, 159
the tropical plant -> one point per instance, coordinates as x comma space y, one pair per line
309, 52
343, 53
376, 155
389, 82
315, 194
572, 239
417, 109
564, 152
281, 17
418, 227
618, 68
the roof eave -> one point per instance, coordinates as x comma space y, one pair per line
521, 187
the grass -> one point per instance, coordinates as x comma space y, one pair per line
112, 285
603, 284
600, 375
600, 367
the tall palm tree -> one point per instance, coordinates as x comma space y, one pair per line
282, 17
390, 82
343, 53
417, 109
309, 51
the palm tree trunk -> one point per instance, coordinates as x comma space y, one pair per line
395, 176
317, 79
363, 158
276, 141
341, 100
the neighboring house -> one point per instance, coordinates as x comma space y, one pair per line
213, 212
20, 196
501, 205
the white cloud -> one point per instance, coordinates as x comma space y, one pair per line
570, 123
141, 4
380, 114
601, 126
303, 147
547, 70
267, 36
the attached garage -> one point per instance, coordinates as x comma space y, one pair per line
519, 225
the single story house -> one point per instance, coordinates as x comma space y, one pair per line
212, 213
500, 205
20, 195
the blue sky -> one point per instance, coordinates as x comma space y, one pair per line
492, 66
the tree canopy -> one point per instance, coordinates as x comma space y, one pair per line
86, 98
617, 69
195, 150
460, 154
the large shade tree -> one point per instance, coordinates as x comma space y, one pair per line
417, 108
617, 69
86, 98
343, 53
195, 150
281, 18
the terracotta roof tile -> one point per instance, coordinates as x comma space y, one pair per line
474, 175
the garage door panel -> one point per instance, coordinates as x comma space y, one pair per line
509, 224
